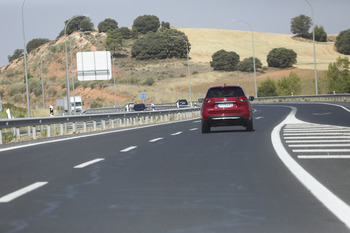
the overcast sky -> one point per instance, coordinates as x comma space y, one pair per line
45, 18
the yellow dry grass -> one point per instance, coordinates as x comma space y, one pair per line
205, 42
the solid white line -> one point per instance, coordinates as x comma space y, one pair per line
177, 133
193, 129
324, 156
319, 145
89, 163
18, 193
156, 139
338, 207
315, 130
128, 149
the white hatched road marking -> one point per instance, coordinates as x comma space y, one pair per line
316, 141
337, 206
89, 163
128, 148
156, 139
21, 192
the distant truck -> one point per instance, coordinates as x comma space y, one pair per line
77, 107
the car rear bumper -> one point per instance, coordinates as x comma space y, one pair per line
226, 120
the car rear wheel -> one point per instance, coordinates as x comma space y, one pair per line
205, 127
249, 126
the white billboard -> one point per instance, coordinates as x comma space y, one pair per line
93, 66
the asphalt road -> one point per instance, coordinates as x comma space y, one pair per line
171, 178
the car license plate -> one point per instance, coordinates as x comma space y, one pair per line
225, 105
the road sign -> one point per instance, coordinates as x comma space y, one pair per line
143, 96
93, 66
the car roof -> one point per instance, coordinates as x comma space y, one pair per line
225, 85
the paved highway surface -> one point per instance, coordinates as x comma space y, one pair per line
171, 178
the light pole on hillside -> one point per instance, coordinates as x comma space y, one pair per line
313, 38
25, 61
65, 46
251, 29
188, 68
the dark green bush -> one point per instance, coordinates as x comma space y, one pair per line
281, 58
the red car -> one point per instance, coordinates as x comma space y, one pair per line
226, 105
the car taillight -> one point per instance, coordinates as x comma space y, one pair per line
243, 98
207, 100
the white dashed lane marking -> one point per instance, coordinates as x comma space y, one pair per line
21, 192
128, 148
89, 163
156, 139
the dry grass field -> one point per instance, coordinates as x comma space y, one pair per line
171, 79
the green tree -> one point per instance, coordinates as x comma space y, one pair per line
290, 85
114, 41
338, 76
342, 42
247, 65
125, 32
300, 26
161, 45
80, 23
146, 23
107, 24
223, 60
35, 43
16, 54
320, 34
281, 58
165, 25
267, 88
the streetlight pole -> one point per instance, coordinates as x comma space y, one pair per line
71, 71
251, 29
67, 76
188, 68
25, 61
313, 38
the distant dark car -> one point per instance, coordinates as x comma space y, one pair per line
139, 107
181, 103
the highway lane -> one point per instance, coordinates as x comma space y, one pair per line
171, 179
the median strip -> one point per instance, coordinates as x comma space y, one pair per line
21, 192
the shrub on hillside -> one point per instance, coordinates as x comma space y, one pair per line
320, 34
35, 43
338, 76
223, 60
247, 65
163, 44
267, 88
146, 23
342, 42
107, 24
290, 85
281, 58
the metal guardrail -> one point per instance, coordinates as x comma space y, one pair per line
62, 125
301, 98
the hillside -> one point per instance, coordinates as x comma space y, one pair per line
169, 77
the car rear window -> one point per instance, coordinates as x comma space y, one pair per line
221, 92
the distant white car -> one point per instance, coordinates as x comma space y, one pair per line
129, 107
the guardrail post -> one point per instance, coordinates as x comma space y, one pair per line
94, 123
34, 132
28, 130
85, 126
103, 124
17, 132
74, 127
48, 128
0, 136
112, 123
